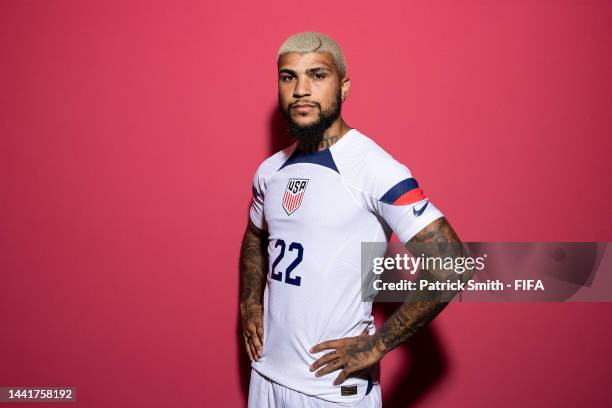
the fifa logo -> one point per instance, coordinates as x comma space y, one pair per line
294, 194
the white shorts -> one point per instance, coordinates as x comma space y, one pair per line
264, 393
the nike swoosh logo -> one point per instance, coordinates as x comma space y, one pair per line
419, 212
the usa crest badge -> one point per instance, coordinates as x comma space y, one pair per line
292, 199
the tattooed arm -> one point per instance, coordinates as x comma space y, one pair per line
253, 270
438, 239
353, 354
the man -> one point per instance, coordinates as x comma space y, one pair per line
314, 203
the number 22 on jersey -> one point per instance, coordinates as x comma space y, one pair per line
295, 249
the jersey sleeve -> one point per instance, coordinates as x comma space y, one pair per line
256, 212
397, 197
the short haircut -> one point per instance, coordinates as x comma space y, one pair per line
312, 41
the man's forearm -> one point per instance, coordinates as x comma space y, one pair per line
437, 240
253, 266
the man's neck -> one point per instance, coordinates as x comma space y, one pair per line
328, 140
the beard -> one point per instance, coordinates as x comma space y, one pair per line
309, 136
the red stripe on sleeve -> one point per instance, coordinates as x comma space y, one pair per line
412, 196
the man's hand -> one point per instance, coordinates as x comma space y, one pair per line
253, 267
352, 354
252, 328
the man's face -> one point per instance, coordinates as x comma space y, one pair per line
309, 94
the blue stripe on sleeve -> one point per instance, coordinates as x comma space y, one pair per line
399, 190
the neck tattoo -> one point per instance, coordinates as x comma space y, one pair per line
327, 142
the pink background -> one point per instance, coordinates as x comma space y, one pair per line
130, 132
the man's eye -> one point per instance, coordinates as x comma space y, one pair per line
319, 76
285, 78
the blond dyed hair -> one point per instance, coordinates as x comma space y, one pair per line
313, 41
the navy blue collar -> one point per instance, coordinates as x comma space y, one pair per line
322, 157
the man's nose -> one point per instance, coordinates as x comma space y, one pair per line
302, 88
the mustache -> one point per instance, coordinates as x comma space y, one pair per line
304, 103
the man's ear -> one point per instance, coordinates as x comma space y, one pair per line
345, 87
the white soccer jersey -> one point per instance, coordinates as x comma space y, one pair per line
318, 208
